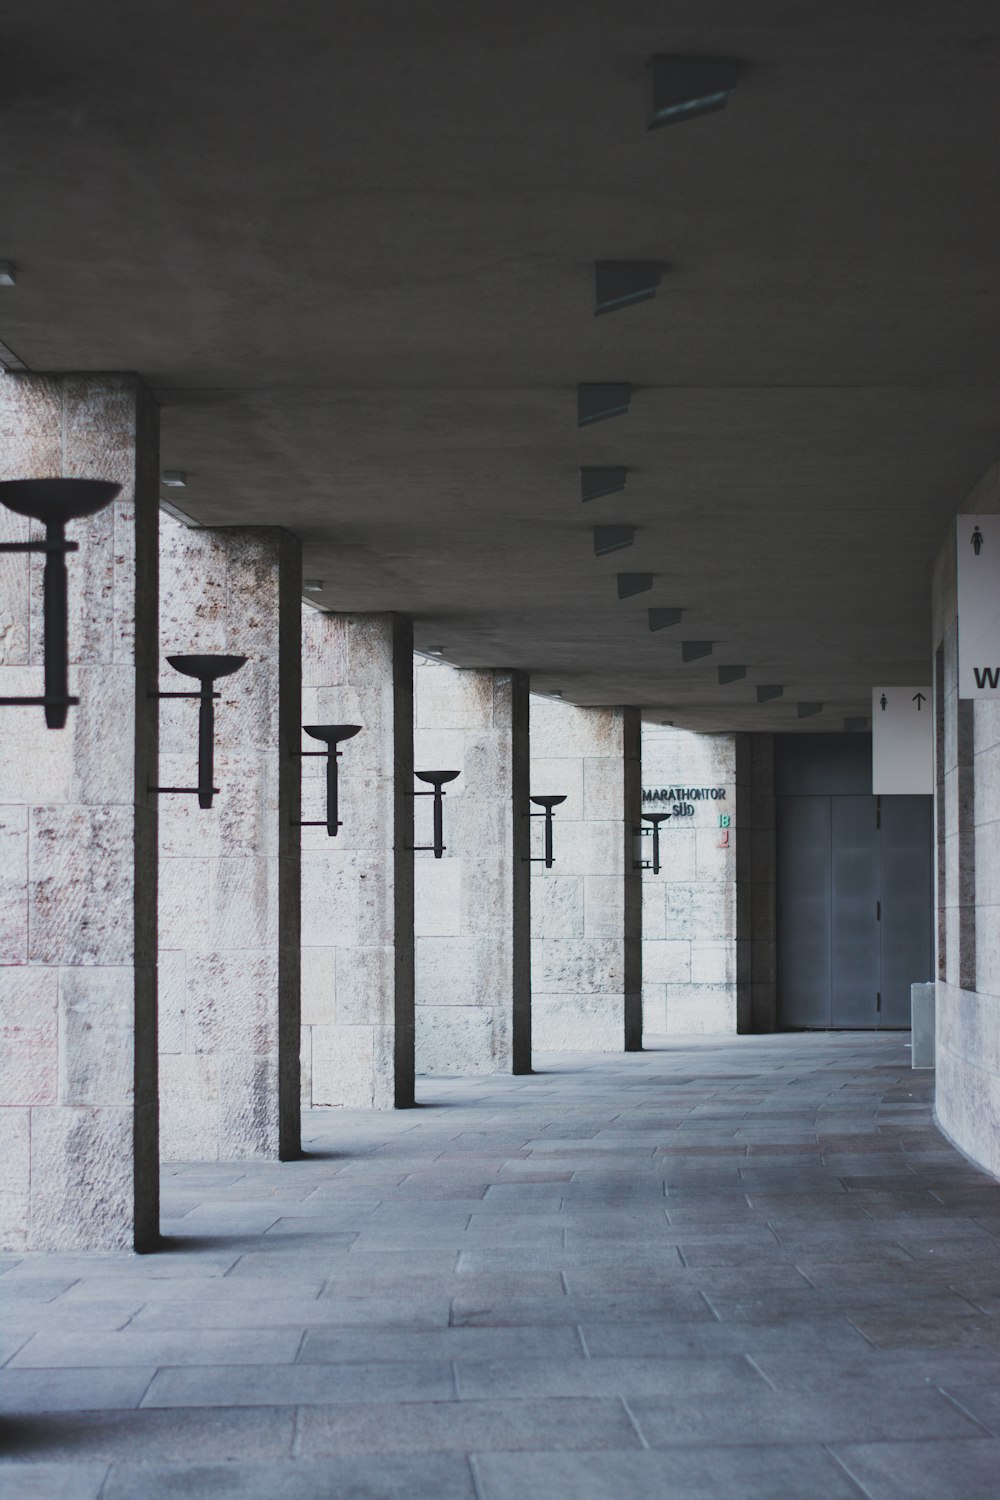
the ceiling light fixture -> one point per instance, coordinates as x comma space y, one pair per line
595, 403
618, 283
692, 650
854, 725
809, 710
173, 479
612, 539
312, 585
731, 674
8, 275
597, 482
659, 619
634, 583
769, 691
682, 87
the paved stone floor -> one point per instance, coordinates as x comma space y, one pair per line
725, 1269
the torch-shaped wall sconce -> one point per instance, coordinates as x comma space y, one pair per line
436, 780
54, 502
548, 803
206, 669
655, 819
331, 735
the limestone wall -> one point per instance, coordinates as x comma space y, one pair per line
691, 952
586, 911
967, 817
229, 874
471, 906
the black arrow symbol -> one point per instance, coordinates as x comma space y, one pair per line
919, 700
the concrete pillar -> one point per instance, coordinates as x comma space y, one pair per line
473, 913
967, 808
756, 893
587, 910
357, 901
229, 875
78, 1160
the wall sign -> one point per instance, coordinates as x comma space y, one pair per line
902, 742
978, 540
681, 801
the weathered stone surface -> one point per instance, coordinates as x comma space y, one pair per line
78, 833
967, 1041
472, 905
229, 904
357, 896
28, 1035
587, 917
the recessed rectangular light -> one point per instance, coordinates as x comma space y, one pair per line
617, 283
682, 87
634, 583
612, 539
659, 619
312, 585
8, 274
769, 691
692, 650
597, 482
731, 674
809, 710
595, 403
173, 479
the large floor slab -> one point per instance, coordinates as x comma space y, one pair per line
741, 1269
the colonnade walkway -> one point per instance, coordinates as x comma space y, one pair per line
720, 1268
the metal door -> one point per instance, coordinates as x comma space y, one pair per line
906, 900
854, 923
804, 933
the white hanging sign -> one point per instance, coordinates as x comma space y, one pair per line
978, 539
902, 742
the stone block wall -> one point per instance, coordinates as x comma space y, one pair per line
357, 888
693, 959
78, 1100
586, 913
229, 874
472, 906
967, 818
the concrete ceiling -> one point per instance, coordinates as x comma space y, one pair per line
351, 248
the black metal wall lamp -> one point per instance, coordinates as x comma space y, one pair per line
206, 669
331, 735
437, 781
54, 502
547, 803
655, 819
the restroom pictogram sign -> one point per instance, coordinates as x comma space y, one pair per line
978, 543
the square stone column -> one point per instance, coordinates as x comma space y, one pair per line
473, 912
229, 874
357, 899
78, 1086
586, 917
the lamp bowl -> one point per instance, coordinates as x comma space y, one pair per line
436, 778
206, 668
331, 734
56, 501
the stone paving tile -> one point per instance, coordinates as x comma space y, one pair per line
980, 1401
43, 1481
303, 1385
437, 1476
511, 1378
192, 1436
277, 1312
329, 1345
152, 1347
923, 1470
856, 1411
72, 1390
785, 1473
467, 1427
